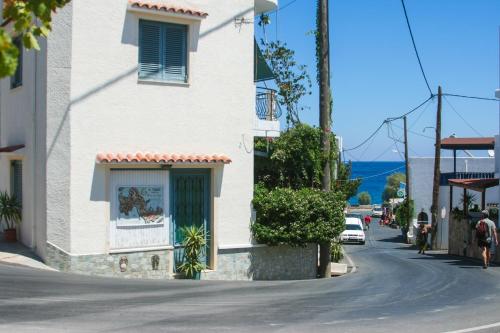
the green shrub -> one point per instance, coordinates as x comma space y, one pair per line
297, 217
364, 198
336, 252
402, 215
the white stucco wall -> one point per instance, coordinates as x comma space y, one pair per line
112, 112
421, 177
17, 113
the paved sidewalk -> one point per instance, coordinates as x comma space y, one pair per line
18, 254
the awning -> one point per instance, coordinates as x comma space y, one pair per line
487, 143
261, 69
163, 7
161, 158
476, 184
11, 149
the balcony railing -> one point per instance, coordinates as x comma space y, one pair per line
266, 104
464, 175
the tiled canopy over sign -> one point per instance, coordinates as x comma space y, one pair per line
140, 157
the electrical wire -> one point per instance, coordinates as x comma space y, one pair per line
373, 176
282, 7
415, 48
367, 139
465, 120
473, 97
389, 120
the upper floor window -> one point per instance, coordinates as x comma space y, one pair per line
162, 51
16, 80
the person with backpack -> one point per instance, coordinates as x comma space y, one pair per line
487, 238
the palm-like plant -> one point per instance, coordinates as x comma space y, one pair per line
10, 210
194, 245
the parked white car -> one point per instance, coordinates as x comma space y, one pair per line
353, 231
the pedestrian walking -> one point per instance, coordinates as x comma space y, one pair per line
487, 238
368, 220
422, 235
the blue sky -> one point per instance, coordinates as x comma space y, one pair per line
375, 73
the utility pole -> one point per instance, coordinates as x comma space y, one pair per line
437, 174
324, 270
407, 168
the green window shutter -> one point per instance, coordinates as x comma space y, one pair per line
16, 80
150, 50
175, 40
16, 180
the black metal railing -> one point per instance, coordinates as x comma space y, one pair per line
266, 104
464, 175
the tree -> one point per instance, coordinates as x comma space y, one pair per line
27, 18
344, 183
364, 198
392, 186
292, 79
295, 159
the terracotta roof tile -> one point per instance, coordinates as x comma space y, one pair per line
162, 6
147, 157
476, 184
468, 143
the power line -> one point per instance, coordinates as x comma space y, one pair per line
411, 111
386, 121
373, 176
282, 7
417, 133
415, 48
367, 139
465, 121
473, 97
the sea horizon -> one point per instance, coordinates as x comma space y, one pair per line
374, 175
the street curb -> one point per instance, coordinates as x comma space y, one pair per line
350, 262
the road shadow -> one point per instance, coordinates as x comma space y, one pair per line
453, 260
395, 239
16, 249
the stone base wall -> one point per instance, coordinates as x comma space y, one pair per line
463, 242
255, 263
138, 264
265, 263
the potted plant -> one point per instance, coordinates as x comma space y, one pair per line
10, 214
194, 246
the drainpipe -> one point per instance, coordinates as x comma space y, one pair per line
34, 150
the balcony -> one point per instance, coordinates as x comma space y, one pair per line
262, 6
445, 177
267, 113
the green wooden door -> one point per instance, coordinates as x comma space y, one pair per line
190, 193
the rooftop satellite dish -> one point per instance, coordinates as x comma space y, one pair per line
491, 153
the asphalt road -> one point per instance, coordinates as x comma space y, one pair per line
393, 290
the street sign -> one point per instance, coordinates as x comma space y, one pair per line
401, 193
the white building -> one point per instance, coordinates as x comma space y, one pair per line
422, 176
130, 101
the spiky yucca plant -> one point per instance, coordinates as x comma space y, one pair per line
194, 244
10, 210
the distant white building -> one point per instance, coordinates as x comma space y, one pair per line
135, 119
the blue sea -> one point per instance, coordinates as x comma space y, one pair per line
374, 176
